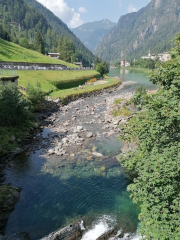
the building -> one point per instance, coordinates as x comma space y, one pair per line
79, 64
124, 63
163, 57
54, 55
7, 80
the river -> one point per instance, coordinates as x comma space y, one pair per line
59, 190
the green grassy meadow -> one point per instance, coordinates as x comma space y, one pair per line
14, 53
66, 93
55, 80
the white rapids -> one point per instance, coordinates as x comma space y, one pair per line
103, 225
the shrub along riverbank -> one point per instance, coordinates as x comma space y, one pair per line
16, 117
156, 131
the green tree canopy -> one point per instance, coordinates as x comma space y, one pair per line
102, 68
39, 44
155, 130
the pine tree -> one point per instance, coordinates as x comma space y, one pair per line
39, 44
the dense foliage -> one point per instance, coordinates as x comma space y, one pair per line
61, 29
156, 132
102, 68
144, 63
14, 107
35, 93
23, 25
150, 28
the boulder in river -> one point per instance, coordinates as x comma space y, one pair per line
73, 232
16, 236
97, 154
79, 128
9, 196
89, 135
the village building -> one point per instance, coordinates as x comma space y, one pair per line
79, 64
124, 63
163, 57
54, 55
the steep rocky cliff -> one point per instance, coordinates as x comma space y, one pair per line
151, 28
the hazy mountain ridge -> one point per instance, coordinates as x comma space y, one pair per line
93, 32
151, 28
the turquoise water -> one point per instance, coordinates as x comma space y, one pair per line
141, 79
57, 191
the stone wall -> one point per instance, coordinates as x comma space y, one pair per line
30, 64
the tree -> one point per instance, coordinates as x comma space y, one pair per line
156, 158
102, 68
35, 94
39, 44
14, 107
96, 62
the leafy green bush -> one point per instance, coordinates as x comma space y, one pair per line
125, 112
102, 68
139, 97
35, 94
14, 107
156, 129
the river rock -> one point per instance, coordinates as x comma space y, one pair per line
89, 135
9, 196
106, 235
97, 154
18, 151
16, 236
79, 128
71, 232
65, 140
50, 151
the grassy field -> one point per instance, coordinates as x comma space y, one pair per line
54, 80
88, 88
14, 53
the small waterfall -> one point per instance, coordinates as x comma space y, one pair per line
103, 225
99, 227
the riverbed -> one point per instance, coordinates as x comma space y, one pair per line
58, 189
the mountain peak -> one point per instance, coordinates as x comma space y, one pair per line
91, 33
151, 27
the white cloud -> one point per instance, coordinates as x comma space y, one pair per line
120, 3
76, 20
61, 9
132, 8
82, 10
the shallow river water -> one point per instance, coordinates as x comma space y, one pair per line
59, 190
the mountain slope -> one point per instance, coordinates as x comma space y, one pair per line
15, 53
92, 33
60, 27
151, 28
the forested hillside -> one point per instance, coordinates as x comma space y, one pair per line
23, 25
151, 28
93, 32
82, 53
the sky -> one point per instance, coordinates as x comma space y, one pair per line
77, 12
